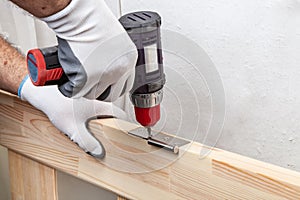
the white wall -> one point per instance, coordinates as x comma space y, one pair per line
255, 46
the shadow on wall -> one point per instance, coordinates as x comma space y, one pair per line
68, 187
4, 175
73, 188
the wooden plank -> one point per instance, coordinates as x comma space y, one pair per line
30, 180
135, 170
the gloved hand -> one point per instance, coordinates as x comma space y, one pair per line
69, 115
94, 50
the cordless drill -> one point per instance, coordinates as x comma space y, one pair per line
146, 95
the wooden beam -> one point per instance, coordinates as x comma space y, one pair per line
135, 170
30, 180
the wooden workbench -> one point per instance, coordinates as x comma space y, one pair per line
131, 168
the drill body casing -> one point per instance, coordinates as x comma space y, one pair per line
146, 95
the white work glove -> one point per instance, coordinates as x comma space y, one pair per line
94, 50
69, 115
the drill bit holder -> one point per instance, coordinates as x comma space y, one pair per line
160, 139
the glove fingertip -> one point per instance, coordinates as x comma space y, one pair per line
88, 143
99, 152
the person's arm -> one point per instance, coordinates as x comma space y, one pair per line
12, 67
68, 115
42, 8
10, 75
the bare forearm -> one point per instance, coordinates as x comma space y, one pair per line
12, 63
12, 67
42, 8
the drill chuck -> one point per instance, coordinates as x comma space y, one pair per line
147, 100
147, 107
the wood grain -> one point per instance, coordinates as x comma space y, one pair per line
135, 170
30, 180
